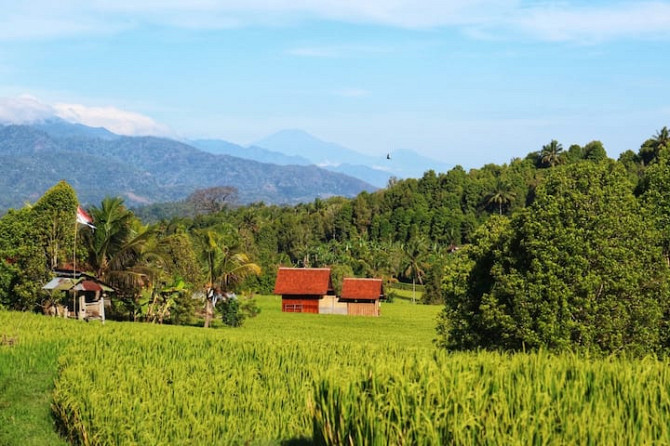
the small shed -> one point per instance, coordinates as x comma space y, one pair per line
362, 296
86, 291
302, 289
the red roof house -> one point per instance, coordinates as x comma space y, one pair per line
362, 296
301, 289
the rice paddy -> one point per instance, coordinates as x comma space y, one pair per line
323, 379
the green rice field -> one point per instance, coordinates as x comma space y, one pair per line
299, 379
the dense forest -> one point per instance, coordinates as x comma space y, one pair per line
564, 248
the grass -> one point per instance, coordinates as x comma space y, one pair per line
288, 378
28, 367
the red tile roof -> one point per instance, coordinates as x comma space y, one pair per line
361, 289
303, 281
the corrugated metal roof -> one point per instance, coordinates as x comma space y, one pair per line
60, 284
370, 289
303, 281
78, 284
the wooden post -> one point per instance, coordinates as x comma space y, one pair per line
82, 307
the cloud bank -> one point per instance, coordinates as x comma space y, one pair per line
26, 109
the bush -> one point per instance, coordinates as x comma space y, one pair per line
579, 268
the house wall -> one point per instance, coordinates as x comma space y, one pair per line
330, 305
300, 305
370, 308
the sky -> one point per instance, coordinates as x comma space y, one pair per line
465, 82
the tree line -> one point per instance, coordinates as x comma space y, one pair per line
480, 241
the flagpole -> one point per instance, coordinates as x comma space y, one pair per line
74, 265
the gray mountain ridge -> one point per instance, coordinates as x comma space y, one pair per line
146, 170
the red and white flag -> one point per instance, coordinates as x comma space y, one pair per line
83, 218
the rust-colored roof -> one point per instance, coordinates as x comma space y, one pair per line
361, 288
303, 281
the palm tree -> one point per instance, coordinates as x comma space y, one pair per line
121, 251
552, 154
225, 268
662, 138
502, 196
414, 262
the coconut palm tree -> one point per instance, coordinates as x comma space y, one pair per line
502, 196
414, 262
121, 251
225, 268
552, 154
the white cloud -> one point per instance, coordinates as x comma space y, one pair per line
26, 109
113, 119
594, 24
548, 21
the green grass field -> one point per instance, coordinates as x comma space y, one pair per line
300, 378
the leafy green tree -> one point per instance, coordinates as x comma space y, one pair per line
651, 148
33, 241
595, 151
579, 268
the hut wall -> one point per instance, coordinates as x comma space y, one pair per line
330, 305
298, 305
370, 308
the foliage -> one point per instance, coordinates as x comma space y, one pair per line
33, 241
231, 312
579, 268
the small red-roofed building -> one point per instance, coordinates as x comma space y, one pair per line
302, 289
362, 296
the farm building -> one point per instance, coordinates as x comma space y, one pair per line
362, 296
303, 289
77, 294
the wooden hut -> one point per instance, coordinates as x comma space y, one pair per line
362, 296
86, 291
302, 289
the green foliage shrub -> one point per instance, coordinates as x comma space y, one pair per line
231, 312
579, 268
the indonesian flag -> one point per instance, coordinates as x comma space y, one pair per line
83, 218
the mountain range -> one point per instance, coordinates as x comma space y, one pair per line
298, 147
145, 170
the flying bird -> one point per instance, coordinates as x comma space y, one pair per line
388, 156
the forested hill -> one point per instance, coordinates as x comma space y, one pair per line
145, 170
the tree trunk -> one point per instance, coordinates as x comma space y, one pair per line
209, 313
413, 290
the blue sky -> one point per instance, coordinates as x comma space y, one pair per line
465, 82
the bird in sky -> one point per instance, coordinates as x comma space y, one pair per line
388, 156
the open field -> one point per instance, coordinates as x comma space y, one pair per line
299, 378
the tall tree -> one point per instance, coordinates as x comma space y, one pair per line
502, 196
415, 262
122, 251
225, 269
551, 154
